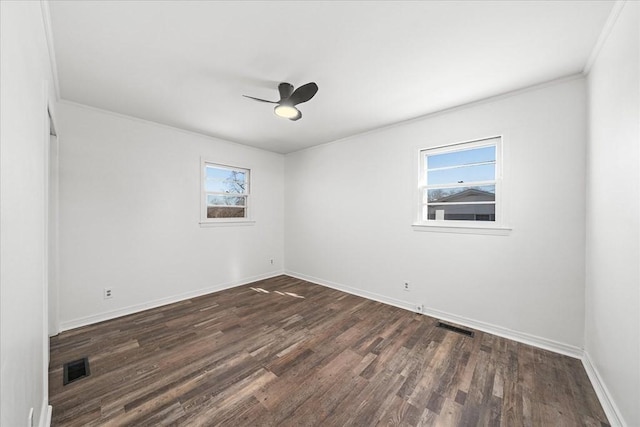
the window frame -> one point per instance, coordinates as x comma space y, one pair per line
204, 220
498, 226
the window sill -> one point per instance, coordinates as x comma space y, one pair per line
463, 229
227, 223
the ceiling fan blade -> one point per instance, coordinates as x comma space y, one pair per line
303, 93
285, 89
261, 100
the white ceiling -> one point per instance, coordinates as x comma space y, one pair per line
186, 63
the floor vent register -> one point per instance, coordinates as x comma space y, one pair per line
75, 370
455, 329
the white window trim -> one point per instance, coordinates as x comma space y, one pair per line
463, 229
497, 227
223, 222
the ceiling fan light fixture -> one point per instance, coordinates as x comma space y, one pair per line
289, 98
286, 111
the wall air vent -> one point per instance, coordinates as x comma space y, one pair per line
75, 370
455, 329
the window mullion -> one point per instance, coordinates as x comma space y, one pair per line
458, 185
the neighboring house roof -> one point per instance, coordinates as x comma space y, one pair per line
469, 195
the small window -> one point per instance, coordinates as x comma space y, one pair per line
460, 184
225, 192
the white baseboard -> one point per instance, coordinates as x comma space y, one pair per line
354, 291
522, 337
608, 404
101, 317
536, 341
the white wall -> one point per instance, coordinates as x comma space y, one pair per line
612, 336
24, 74
349, 210
130, 211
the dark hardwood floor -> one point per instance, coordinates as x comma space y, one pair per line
261, 355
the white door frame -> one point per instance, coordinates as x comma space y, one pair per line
53, 191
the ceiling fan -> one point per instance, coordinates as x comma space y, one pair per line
289, 98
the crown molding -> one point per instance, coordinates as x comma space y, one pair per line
604, 35
48, 33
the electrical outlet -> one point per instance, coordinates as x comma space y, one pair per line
406, 286
108, 293
271, 261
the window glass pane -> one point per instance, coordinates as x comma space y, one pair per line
462, 157
485, 193
462, 174
461, 212
216, 200
221, 180
225, 212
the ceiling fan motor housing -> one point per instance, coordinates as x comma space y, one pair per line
285, 89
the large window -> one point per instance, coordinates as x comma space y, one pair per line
225, 193
460, 184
